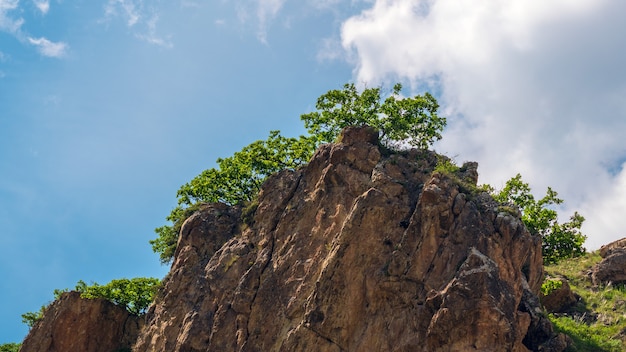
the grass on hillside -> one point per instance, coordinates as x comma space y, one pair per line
598, 321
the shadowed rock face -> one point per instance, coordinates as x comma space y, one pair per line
75, 324
361, 250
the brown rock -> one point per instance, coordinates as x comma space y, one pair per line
74, 324
358, 251
607, 249
559, 300
612, 269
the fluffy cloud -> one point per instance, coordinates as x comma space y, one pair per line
43, 6
48, 48
530, 86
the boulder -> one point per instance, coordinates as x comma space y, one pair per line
560, 299
612, 269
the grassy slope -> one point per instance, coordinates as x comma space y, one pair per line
598, 321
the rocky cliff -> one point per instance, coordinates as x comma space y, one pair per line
361, 250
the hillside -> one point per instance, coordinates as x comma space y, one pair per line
595, 315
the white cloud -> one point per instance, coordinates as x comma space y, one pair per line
8, 23
43, 6
530, 86
48, 48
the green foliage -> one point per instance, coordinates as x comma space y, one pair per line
559, 241
550, 285
414, 120
10, 347
446, 166
165, 243
238, 179
31, 318
135, 294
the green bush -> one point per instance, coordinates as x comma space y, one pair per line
550, 285
10, 347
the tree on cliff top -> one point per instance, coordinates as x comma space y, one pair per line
238, 179
559, 240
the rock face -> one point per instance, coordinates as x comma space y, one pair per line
73, 324
612, 269
361, 250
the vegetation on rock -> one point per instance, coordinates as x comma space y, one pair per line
596, 322
135, 295
559, 240
238, 178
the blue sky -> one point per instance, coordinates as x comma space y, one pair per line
107, 107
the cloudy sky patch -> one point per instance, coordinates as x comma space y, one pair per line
49, 48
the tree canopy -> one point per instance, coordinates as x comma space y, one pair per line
559, 240
414, 120
237, 179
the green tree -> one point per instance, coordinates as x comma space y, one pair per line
238, 179
413, 120
135, 294
10, 347
559, 241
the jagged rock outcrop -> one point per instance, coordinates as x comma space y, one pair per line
612, 268
361, 250
73, 324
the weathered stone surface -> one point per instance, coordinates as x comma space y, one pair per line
559, 300
358, 251
612, 269
607, 249
73, 324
